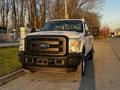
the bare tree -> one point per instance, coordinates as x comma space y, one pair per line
14, 15
21, 13
43, 12
36, 12
3, 12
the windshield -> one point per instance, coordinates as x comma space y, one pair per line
70, 25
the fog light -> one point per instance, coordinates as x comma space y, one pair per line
63, 62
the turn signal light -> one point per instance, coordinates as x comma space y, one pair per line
75, 43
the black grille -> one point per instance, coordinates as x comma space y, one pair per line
56, 45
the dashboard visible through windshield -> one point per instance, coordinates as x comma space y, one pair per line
63, 26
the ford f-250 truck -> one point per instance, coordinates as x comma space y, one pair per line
60, 43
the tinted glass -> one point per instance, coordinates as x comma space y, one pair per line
63, 26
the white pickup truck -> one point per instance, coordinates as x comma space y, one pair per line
60, 43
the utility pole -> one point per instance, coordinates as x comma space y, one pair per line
43, 12
66, 13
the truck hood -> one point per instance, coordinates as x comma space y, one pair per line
69, 34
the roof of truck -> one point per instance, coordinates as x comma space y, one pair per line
66, 20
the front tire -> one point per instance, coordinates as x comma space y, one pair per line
81, 68
91, 54
83, 65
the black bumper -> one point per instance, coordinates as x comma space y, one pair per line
65, 61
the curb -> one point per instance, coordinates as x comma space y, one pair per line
9, 77
8, 45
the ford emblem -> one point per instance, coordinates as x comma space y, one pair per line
44, 45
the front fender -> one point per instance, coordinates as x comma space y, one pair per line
82, 44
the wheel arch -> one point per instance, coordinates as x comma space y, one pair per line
82, 47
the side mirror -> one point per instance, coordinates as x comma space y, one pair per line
33, 30
87, 33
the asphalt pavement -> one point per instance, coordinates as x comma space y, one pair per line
115, 44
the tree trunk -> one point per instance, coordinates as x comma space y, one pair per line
21, 14
43, 12
15, 18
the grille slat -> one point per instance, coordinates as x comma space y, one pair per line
58, 45
49, 49
49, 42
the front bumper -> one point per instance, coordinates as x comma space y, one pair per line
69, 60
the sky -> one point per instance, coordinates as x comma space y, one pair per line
111, 14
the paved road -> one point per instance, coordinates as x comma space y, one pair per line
115, 43
107, 65
103, 73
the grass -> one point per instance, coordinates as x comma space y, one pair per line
9, 60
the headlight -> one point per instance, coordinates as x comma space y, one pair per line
74, 45
21, 45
